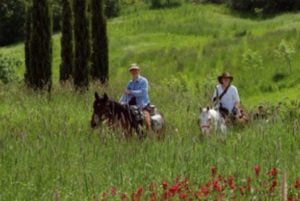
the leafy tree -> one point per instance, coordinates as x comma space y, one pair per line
82, 45
112, 8
12, 14
100, 62
266, 6
67, 56
27, 40
39, 75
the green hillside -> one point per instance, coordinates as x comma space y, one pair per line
48, 150
194, 43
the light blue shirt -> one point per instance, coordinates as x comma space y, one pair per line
138, 88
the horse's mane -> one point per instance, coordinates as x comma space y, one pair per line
117, 109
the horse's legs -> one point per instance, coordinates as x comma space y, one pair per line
139, 130
147, 119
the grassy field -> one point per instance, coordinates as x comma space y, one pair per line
47, 145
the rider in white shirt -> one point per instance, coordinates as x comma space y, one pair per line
226, 96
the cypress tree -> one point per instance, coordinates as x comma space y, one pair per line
40, 46
67, 56
82, 45
27, 34
100, 63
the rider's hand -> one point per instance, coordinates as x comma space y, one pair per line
127, 92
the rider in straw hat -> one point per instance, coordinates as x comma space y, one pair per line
226, 96
137, 92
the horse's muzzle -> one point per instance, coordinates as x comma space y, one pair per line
95, 120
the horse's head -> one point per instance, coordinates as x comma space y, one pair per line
101, 109
205, 120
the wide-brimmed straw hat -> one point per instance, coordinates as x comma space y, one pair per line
225, 75
133, 67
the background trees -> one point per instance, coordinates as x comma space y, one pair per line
12, 15
99, 42
82, 44
67, 56
40, 49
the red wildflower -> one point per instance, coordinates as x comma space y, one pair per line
257, 170
153, 197
274, 184
249, 181
209, 184
198, 194
165, 185
230, 182
132, 196
113, 191
104, 196
213, 170
290, 198
220, 178
165, 195
297, 184
139, 191
204, 190
242, 190
174, 189
123, 196
182, 196
273, 172
217, 186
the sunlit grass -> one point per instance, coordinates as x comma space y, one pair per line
47, 145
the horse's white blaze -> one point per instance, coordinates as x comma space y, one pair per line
211, 120
96, 118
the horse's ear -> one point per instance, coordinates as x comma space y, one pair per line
96, 96
105, 97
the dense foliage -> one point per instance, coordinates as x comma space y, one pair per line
67, 55
8, 68
82, 44
12, 15
112, 8
39, 73
265, 6
100, 62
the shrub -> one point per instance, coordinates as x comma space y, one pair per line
211, 1
285, 52
112, 8
266, 6
8, 68
278, 77
12, 20
155, 4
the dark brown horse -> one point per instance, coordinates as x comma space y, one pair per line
117, 115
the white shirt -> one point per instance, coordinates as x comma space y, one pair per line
230, 98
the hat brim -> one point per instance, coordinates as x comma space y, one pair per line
133, 68
221, 77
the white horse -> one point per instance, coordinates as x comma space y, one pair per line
211, 120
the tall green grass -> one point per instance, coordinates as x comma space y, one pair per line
47, 145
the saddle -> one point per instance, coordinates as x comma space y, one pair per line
136, 113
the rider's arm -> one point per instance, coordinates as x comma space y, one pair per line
124, 100
236, 98
142, 91
125, 97
215, 95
